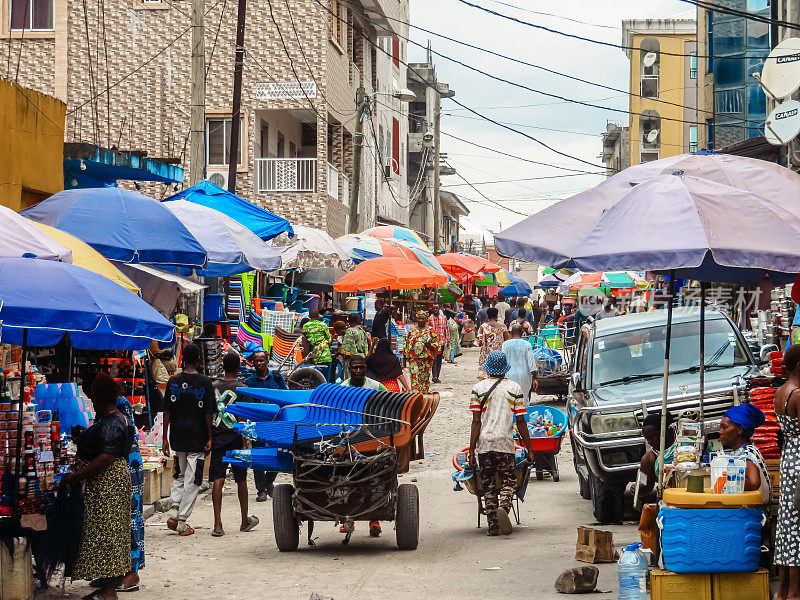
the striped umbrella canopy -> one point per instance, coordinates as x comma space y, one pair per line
551, 280
363, 247
605, 279
395, 232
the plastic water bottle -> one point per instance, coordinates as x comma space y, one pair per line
539, 432
632, 572
548, 417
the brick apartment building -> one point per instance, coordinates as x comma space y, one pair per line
123, 69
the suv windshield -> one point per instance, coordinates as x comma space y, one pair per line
636, 354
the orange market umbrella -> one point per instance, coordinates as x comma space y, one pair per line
464, 266
390, 273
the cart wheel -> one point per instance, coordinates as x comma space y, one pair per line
286, 525
555, 475
554, 472
407, 518
539, 474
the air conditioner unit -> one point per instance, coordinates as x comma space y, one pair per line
218, 178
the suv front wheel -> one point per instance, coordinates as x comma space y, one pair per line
608, 504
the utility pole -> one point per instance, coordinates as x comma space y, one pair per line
437, 205
197, 127
362, 108
233, 159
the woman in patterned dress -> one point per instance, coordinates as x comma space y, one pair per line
491, 336
787, 537
103, 449
421, 347
131, 581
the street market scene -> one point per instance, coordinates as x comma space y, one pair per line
285, 315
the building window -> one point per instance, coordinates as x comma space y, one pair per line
396, 52
292, 150
693, 66
281, 145
649, 136
650, 67
395, 146
338, 23
710, 133
32, 15
693, 138
218, 141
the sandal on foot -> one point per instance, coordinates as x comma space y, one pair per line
218, 533
187, 531
504, 521
130, 588
172, 524
253, 522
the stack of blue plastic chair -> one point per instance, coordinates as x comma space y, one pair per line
285, 417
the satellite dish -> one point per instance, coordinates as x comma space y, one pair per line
780, 76
649, 59
652, 135
783, 123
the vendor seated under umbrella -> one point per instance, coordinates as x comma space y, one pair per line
648, 467
735, 430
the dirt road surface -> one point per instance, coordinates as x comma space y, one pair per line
454, 559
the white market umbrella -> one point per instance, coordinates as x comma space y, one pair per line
231, 247
20, 238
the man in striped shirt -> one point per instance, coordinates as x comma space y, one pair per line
496, 403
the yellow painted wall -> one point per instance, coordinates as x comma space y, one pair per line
670, 86
31, 145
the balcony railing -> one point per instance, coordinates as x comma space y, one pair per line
333, 181
286, 174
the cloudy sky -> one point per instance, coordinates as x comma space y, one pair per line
570, 128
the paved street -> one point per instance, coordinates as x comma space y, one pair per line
454, 559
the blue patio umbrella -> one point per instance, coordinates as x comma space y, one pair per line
50, 299
41, 301
121, 225
263, 223
518, 286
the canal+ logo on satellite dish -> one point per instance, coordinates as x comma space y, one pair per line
785, 114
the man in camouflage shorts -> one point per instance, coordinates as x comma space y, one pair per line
496, 404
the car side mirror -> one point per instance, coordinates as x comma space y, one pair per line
765, 351
577, 381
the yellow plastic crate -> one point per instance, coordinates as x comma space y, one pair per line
741, 586
666, 585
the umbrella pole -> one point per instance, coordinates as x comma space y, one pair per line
15, 516
663, 437
291, 288
702, 351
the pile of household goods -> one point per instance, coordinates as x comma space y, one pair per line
710, 527
40, 445
365, 420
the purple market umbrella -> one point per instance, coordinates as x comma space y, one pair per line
701, 229
692, 227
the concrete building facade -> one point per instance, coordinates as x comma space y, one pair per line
616, 151
663, 98
123, 69
31, 147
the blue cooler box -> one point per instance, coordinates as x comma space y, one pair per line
710, 540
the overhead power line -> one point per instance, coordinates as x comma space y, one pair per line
546, 14
737, 124
622, 46
472, 110
718, 8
